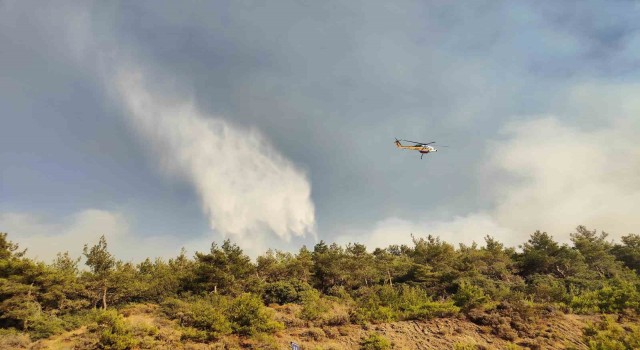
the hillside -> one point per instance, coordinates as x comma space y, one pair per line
431, 295
555, 332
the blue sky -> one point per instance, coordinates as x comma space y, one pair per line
164, 125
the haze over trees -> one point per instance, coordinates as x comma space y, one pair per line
223, 292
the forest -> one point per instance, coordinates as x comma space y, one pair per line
223, 294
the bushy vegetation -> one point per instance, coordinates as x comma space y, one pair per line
609, 335
114, 332
223, 292
386, 304
375, 341
201, 318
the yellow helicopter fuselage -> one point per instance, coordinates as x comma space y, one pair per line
420, 148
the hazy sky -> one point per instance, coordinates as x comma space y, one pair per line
166, 124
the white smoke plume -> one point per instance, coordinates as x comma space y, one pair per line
564, 176
248, 190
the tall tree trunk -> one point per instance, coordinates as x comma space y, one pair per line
104, 298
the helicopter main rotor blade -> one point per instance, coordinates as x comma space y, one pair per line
419, 143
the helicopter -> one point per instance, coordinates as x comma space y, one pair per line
422, 147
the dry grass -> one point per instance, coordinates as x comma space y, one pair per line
559, 331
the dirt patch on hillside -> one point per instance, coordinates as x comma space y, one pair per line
75, 339
557, 333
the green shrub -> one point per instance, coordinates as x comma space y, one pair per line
585, 303
388, 304
545, 288
619, 296
430, 309
79, 319
615, 296
202, 318
196, 335
413, 303
340, 294
469, 296
114, 332
464, 346
208, 315
148, 335
375, 342
249, 316
265, 341
208, 318
313, 306
339, 318
373, 313
45, 326
283, 292
373, 305
608, 335
173, 307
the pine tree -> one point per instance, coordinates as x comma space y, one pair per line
101, 263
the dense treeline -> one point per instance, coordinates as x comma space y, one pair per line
224, 292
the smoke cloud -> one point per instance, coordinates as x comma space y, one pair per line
563, 177
247, 188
